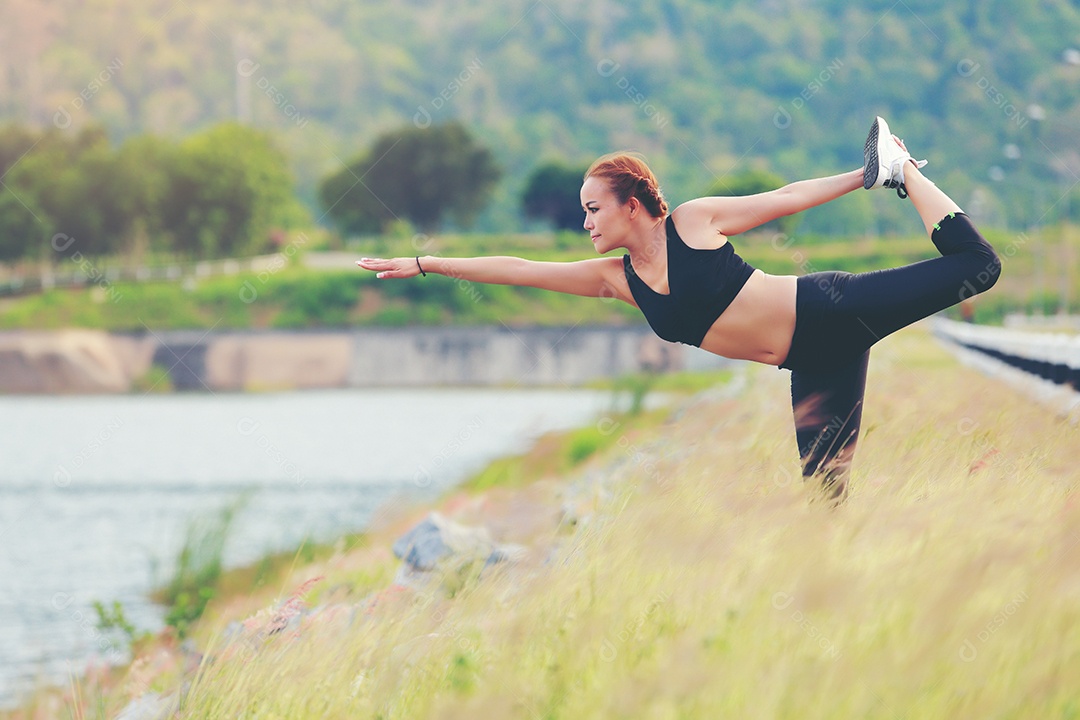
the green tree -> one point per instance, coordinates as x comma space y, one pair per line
219, 192
552, 193
55, 180
20, 231
138, 185
99, 204
227, 188
15, 142
349, 202
416, 174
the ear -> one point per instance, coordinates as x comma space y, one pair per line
634, 204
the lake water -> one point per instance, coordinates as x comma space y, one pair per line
97, 491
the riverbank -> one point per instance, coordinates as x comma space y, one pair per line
99, 491
93, 361
677, 568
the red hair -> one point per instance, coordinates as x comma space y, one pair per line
629, 176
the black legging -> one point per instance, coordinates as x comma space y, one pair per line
839, 316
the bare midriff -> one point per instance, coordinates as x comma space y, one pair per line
759, 322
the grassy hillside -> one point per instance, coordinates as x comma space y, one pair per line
1037, 270
703, 88
707, 585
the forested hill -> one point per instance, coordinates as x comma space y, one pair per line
703, 88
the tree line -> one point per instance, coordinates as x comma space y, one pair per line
223, 192
989, 95
227, 191
220, 192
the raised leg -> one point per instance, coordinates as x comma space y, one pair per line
930, 201
887, 163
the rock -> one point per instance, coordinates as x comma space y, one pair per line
424, 546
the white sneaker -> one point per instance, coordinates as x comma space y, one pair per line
884, 160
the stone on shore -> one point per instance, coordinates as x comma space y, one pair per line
436, 539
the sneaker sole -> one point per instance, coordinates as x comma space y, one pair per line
870, 157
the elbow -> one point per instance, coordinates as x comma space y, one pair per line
521, 272
789, 201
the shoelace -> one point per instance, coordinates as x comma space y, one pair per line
898, 185
901, 191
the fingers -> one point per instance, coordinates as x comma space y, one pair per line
377, 264
393, 268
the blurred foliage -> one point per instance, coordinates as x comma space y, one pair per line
789, 87
1036, 270
228, 187
552, 194
420, 174
219, 193
156, 379
556, 453
636, 387
198, 567
112, 619
752, 182
307, 299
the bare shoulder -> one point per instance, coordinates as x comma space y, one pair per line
697, 224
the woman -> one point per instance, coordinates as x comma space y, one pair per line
683, 274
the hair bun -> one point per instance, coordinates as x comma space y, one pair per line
629, 176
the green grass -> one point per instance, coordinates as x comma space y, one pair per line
198, 568
559, 453
296, 298
553, 454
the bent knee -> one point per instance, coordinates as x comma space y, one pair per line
982, 270
989, 271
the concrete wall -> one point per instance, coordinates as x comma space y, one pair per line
88, 361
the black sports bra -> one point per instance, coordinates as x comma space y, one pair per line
701, 284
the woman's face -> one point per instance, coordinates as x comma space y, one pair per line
606, 219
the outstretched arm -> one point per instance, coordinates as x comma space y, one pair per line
591, 278
733, 215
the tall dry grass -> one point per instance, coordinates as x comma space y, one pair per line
948, 585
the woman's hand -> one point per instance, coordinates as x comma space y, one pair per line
392, 268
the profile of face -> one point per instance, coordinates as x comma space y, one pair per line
606, 219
